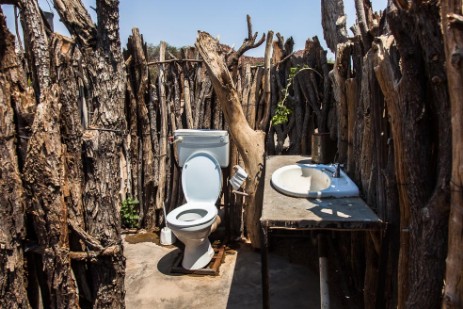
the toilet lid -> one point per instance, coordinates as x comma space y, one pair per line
201, 178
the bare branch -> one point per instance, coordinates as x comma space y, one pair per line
77, 20
248, 43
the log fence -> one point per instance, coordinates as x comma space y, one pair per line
72, 122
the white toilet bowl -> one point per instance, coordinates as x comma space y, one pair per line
192, 222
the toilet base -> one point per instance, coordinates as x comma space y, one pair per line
197, 256
212, 269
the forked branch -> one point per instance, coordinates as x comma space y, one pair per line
248, 43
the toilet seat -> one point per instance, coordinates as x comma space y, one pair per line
200, 213
201, 178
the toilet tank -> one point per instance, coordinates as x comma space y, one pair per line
215, 142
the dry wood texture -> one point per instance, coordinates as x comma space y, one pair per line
101, 135
250, 143
44, 177
13, 280
452, 20
419, 113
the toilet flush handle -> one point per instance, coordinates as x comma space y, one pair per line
173, 140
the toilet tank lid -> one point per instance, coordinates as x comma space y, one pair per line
200, 132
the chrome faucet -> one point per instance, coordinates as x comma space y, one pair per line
337, 170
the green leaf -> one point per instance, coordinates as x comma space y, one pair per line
129, 213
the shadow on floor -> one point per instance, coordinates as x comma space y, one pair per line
166, 262
291, 285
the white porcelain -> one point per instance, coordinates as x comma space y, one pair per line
215, 142
192, 223
167, 236
313, 181
201, 178
201, 154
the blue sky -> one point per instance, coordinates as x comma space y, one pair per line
177, 22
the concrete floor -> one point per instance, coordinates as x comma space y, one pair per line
149, 283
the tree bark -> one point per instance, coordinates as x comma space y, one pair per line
44, 176
103, 140
37, 40
13, 282
333, 23
267, 85
421, 143
339, 74
250, 143
160, 197
452, 21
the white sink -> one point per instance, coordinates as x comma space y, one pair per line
314, 181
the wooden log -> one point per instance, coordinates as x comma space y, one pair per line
296, 134
384, 73
250, 143
134, 145
13, 280
339, 75
352, 99
185, 77
451, 28
429, 220
426, 206
71, 127
153, 107
334, 23
247, 83
253, 98
44, 177
367, 160
147, 197
103, 139
264, 120
363, 24
37, 40
178, 106
248, 44
160, 196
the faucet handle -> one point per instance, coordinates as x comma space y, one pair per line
337, 170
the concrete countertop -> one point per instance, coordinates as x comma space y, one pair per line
282, 211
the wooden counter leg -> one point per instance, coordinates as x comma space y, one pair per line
264, 268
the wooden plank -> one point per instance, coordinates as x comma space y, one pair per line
212, 269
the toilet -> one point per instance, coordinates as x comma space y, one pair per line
201, 154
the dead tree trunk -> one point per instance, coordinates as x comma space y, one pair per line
452, 21
250, 143
13, 281
102, 140
44, 176
339, 75
419, 114
160, 197
140, 127
334, 23
38, 43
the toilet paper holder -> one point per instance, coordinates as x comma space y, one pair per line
237, 180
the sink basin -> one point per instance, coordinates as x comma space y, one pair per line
313, 181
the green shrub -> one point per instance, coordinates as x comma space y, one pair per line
129, 213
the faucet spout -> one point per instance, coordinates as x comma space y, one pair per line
337, 170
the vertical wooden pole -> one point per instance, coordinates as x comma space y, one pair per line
164, 120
